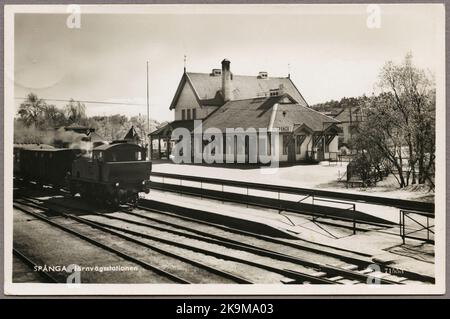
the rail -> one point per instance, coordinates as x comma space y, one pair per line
352, 207
339, 210
426, 209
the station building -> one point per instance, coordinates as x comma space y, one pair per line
349, 119
222, 100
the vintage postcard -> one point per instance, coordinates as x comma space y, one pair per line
224, 149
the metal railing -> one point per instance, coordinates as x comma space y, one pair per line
351, 208
420, 226
333, 156
339, 210
349, 214
422, 207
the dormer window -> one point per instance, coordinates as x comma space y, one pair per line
263, 75
216, 72
274, 92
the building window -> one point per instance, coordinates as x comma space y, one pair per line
183, 114
137, 156
194, 114
189, 114
274, 92
285, 144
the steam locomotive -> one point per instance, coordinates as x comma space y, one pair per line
112, 174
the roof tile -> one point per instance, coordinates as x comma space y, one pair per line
208, 86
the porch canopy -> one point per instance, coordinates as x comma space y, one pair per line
164, 134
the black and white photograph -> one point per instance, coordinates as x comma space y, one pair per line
233, 149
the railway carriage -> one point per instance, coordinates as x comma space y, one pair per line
17, 150
46, 165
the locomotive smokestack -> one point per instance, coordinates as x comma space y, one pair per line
226, 80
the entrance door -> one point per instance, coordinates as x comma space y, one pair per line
291, 150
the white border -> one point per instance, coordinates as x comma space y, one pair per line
174, 289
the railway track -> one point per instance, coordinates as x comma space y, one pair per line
46, 276
223, 274
229, 243
119, 232
182, 233
23, 207
351, 257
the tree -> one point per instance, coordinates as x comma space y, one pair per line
380, 138
413, 99
75, 112
333, 106
140, 124
53, 116
30, 110
36, 119
400, 122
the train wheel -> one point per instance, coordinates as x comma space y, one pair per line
103, 200
71, 187
73, 190
135, 200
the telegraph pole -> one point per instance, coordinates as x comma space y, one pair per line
148, 119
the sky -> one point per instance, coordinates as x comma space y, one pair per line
329, 51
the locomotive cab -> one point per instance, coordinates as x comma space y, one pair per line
116, 173
119, 152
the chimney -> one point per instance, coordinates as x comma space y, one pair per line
226, 80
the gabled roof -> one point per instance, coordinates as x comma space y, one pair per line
249, 113
208, 88
295, 114
95, 137
302, 127
132, 135
256, 113
166, 130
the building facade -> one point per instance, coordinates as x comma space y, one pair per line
222, 100
349, 118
